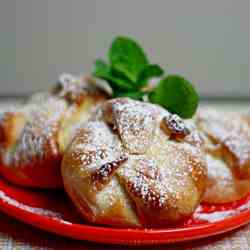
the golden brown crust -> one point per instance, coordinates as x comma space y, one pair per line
231, 135
36, 147
75, 89
227, 144
11, 124
34, 136
222, 186
135, 129
156, 179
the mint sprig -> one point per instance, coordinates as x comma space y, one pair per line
116, 82
176, 95
127, 57
128, 69
128, 72
150, 71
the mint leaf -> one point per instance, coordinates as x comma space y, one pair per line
129, 71
151, 70
177, 95
136, 95
104, 71
127, 57
119, 75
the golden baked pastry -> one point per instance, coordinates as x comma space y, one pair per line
133, 164
227, 145
34, 135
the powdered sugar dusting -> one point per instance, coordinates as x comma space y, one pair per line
144, 181
44, 114
95, 145
159, 173
221, 215
230, 132
75, 88
135, 122
35, 210
103, 175
38, 135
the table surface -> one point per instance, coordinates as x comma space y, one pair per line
17, 235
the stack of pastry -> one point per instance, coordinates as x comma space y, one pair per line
34, 135
227, 149
124, 163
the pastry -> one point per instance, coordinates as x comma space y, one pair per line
34, 136
133, 164
227, 146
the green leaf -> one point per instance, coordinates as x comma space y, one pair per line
152, 70
119, 75
136, 95
103, 70
177, 95
127, 57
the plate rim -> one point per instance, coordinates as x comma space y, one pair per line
124, 236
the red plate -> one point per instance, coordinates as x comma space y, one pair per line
53, 212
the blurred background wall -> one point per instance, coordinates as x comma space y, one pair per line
208, 42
